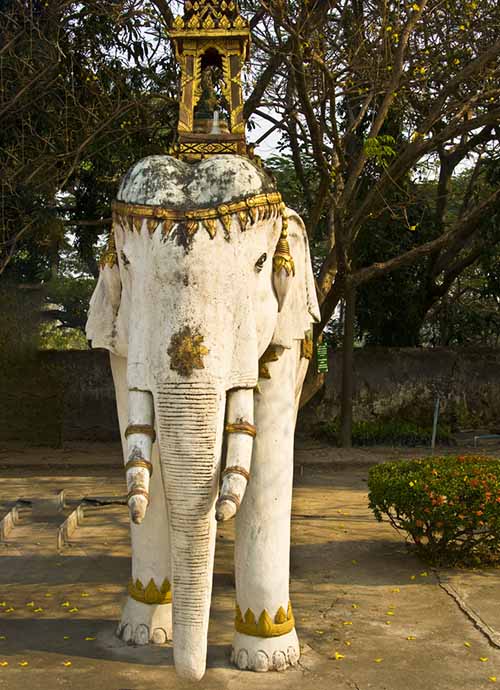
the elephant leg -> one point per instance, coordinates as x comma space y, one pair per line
147, 614
265, 637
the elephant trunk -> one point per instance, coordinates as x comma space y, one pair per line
190, 419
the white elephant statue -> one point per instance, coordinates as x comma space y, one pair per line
204, 300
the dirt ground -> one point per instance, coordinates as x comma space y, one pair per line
370, 615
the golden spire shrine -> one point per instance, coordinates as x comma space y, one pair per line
212, 43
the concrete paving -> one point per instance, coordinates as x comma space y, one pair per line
370, 615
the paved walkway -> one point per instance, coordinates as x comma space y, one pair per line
370, 615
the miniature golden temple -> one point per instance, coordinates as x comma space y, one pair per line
212, 43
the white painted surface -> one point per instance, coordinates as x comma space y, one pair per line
159, 287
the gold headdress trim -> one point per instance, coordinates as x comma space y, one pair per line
283, 623
247, 211
264, 204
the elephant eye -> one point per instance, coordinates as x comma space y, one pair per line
260, 262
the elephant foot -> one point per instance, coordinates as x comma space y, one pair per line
145, 623
263, 654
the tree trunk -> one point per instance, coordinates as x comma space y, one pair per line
347, 367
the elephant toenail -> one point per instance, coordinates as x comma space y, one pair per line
261, 662
279, 661
141, 634
127, 633
242, 659
293, 657
159, 636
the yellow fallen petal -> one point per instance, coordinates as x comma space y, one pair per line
73, 610
30, 604
466, 644
66, 637
66, 604
67, 663
23, 663
10, 609
347, 623
411, 637
319, 632
396, 589
84, 594
38, 610
89, 639
412, 577
483, 658
388, 622
347, 643
355, 606
48, 595
4, 663
3, 603
3, 637
339, 656
424, 574
377, 661
493, 679
390, 613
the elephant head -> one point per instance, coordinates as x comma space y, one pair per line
197, 283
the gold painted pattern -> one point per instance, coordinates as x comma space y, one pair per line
265, 626
150, 594
270, 355
109, 256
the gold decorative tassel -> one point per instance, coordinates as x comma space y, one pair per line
109, 257
282, 257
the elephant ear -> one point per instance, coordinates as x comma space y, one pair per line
102, 321
300, 308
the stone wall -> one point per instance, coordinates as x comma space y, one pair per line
404, 383
57, 397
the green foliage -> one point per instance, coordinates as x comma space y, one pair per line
381, 149
87, 89
54, 337
388, 432
449, 506
19, 323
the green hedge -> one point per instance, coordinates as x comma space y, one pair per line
390, 432
449, 506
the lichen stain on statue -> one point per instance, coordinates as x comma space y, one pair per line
186, 352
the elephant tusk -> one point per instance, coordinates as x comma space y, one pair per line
140, 435
240, 435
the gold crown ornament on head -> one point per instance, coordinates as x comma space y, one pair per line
212, 42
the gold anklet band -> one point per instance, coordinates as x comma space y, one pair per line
138, 492
145, 464
236, 469
140, 429
242, 428
230, 497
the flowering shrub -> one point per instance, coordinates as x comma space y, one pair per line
449, 506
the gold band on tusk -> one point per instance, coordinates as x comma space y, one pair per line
236, 469
145, 464
230, 497
138, 492
242, 428
140, 429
